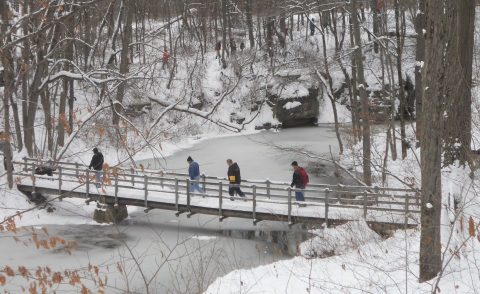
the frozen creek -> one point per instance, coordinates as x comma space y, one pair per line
185, 255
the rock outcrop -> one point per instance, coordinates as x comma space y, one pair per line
295, 99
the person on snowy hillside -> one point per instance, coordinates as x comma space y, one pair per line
97, 164
312, 27
218, 47
234, 179
300, 181
233, 46
165, 58
194, 174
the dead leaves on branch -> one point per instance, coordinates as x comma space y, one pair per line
471, 227
45, 280
41, 240
8, 225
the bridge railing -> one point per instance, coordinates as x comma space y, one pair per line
178, 184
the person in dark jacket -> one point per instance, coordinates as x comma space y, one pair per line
97, 164
312, 27
233, 46
297, 182
234, 179
194, 174
218, 47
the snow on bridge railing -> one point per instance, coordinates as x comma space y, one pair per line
370, 198
166, 173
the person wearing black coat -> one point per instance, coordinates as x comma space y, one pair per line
234, 179
97, 164
312, 27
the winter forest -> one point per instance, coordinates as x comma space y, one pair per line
239, 146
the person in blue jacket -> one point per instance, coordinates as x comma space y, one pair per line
194, 174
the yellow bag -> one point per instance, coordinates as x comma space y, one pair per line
231, 179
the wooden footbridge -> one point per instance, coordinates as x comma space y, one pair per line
265, 200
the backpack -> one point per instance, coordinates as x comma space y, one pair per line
304, 177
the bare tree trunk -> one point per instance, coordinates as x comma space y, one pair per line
259, 25
466, 32
419, 57
376, 23
367, 171
248, 8
224, 32
170, 39
8, 76
331, 94
354, 92
70, 23
87, 35
434, 76
269, 39
129, 7
401, 90
457, 134
290, 31
47, 114
61, 114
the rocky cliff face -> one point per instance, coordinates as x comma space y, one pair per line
299, 110
295, 99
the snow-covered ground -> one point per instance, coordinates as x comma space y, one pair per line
362, 262
353, 259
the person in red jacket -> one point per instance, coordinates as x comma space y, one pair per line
165, 58
300, 181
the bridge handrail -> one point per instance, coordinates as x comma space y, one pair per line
359, 199
130, 178
127, 184
163, 174
368, 198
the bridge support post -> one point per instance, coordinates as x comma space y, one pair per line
60, 182
365, 204
116, 189
327, 192
290, 206
132, 170
87, 188
188, 194
254, 208
406, 210
176, 194
204, 185
33, 177
268, 188
220, 200
25, 164
145, 190
111, 214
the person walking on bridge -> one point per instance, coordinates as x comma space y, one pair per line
312, 27
234, 179
194, 174
300, 181
97, 164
